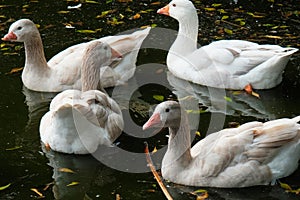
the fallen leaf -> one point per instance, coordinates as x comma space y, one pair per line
225, 17
86, 31
13, 148
216, 4
228, 31
15, 70
5, 186
136, 16
156, 3
228, 99
67, 170
209, 9
63, 12
73, 183
37, 192
154, 150
198, 133
203, 194
158, 97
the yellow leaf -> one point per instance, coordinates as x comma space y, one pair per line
86, 31
158, 97
228, 31
273, 37
228, 99
67, 170
5, 186
154, 150
13, 148
73, 183
225, 17
15, 70
198, 133
63, 12
204, 194
209, 9
37, 192
216, 4
255, 94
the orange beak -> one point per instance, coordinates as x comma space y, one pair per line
164, 10
115, 54
9, 36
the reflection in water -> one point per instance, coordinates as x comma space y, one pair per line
270, 105
38, 105
84, 172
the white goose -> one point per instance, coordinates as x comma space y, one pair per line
79, 121
231, 64
63, 70
255, 153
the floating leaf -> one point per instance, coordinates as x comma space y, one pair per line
136, 16
237, 92
86, 31
73, 183
272, 36
15, 70
216, 4
209, 9
225, 17
63, 12
228, 99
5, 186
158, 97
222, 11
156, 3
114, 21
204, 194
37, 192
198, 133
13, 148
228, 31
89, 1
154, 150
67, 170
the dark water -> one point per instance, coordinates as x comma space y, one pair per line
24, 163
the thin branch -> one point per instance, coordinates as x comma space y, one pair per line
157, 177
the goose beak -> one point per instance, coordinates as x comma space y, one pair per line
154, 121
9, 36
115, 54
164, 10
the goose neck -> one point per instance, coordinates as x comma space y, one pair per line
34, 52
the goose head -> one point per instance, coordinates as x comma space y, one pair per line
178, 9
166, 114
20, 30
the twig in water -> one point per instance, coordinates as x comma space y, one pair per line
157, 177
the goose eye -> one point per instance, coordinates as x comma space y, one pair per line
174, 5
105, 48
19, 28
167, 110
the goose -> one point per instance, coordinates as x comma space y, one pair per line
229, 64
78, 121
254, 153
62, 71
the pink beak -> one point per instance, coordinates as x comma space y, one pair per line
164, 10
115, 54
9, 36
153, 121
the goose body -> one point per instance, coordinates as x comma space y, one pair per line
255, 153
78, 121
230, 64
63, 71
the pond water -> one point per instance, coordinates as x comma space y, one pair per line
26, 166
